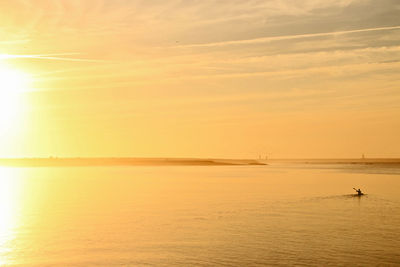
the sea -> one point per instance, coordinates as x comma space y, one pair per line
281, 214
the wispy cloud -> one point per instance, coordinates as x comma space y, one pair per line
10, 42
49, 57
288, 37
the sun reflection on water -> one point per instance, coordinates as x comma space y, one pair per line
9, 188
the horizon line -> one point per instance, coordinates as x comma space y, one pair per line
189, 157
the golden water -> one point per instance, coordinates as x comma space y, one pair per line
199, 216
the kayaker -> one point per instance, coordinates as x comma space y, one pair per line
359, 191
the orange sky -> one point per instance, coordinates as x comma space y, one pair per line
312, 78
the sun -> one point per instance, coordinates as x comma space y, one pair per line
12, 84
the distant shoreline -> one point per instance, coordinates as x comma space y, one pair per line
360, 161
59, 162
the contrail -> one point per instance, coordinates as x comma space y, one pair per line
287, 37
49, 57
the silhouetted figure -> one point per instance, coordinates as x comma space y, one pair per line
359, 191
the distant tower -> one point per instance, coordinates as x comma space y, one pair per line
363, 156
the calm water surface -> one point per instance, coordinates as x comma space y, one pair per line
199, 216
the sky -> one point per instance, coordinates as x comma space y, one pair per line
200, 78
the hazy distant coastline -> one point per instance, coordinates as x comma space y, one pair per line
54, 161
48, 162
358, 161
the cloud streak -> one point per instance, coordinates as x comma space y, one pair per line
49, 57
288, 37
11, 42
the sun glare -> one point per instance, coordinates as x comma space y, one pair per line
12, 84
